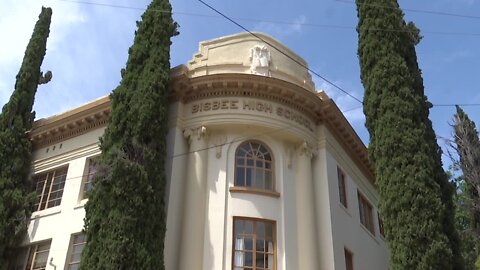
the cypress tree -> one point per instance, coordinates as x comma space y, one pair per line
465, 222
416, 197
16, 119
125, 214
468, 150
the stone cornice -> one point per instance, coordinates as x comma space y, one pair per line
71, 123
317, 106
348, 139
187, 90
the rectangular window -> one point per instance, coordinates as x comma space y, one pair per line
380, 225
33, 257
348, 259
49, 188
341, 187
90, 172
77, 244
366, 213
253, 244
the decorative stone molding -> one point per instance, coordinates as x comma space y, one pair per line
198, 133
219, 141
306, 149
78, 121
260, 60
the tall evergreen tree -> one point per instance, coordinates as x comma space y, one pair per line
125, 215
468, 149
464, 222
416, 197
15, 148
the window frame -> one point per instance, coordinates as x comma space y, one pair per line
88, 177
48, 183
381, 228
71, 245
365, 206
252, 188
29, 254
348, 258
342, 187
254, 250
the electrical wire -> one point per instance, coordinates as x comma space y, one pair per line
280, 51
440, 13
332, 26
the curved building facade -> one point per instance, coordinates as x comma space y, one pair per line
264, 172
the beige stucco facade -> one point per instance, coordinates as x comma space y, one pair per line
234, 90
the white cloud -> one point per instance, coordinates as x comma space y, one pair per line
86, 49
282, 30
456, 55
17, 21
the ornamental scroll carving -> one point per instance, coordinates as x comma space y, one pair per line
260, 60
198, 133
306, 149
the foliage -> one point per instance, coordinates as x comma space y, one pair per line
464, 224
416, 197
125, 215
15, 148
468, 149
468, 199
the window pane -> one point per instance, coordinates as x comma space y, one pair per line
75, 257
259, 164
240, 161
260, 245
270, 247
74, 266
253, 166
240, 178
248, 259
260, 260
249, 177
248, 244
260, 230
252, 251
269, 231
238, 226
49, 186
249, 227
269, 262
268, 180
239, 259
259, 179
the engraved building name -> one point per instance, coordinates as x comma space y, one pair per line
252, 105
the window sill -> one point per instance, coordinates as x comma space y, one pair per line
255, 191
81, 204
369, 233
345, 209
46, 212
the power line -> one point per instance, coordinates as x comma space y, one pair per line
280, 51
316, 25
440, 13
458, 104
231, 19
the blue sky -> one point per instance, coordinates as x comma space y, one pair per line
88, 46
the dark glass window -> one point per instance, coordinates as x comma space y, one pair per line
254, 166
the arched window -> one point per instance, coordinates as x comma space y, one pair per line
254, 166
